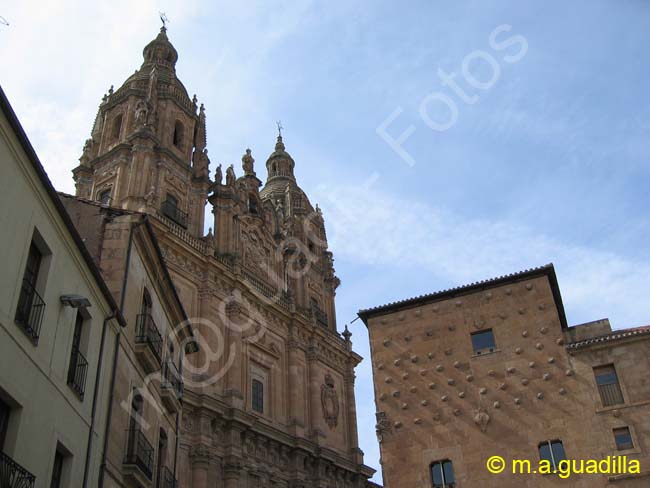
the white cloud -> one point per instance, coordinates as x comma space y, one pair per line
369, 226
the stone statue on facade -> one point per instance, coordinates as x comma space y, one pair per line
230, 175
218, 175
247, 163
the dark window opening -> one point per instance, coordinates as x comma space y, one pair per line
57, 470
78, 368
170, 208
623, 438
608, 385
442, 474
252, 204
29, 312
139, 451
105, 197
553, 452
4, 422
162, 455
145, 307
178, 134
258, 396
483, 341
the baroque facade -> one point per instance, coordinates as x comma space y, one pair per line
493, 369
269, 396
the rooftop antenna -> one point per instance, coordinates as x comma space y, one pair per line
279, 124
163, 19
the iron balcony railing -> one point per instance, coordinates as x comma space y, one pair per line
139, 452
13, 475
165, 478
146, 332
610, 394
169, 209
29, 313
171, 378
77, 372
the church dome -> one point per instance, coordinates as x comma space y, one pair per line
160, 52
162, 55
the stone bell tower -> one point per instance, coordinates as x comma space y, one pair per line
147, 150
276, 234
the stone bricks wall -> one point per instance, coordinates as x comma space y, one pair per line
437, 400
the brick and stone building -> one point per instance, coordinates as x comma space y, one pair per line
269, 396
141, 443
493, 368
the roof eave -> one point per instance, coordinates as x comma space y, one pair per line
546, 270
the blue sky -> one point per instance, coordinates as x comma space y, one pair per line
549, 164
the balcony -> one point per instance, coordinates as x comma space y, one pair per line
169, 209
171, 387
165, 479
138, 461
29, 313
148, 343
77, 372
13, 475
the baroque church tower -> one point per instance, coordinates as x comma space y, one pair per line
147, 150
269, 397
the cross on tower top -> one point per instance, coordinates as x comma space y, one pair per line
279, 124
163, 19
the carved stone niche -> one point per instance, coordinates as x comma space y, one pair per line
383, 426
330, 402
481, 418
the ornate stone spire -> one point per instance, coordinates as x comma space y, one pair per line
160, 52
280, 163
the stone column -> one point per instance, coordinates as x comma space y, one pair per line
296, 389
200, 462
353, 438
314, 390
231, 474
234, 355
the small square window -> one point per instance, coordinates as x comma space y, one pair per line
483, 341
608, 385
623, 438
442, 474
552, 451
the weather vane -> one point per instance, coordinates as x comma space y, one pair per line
163, 19
279, 124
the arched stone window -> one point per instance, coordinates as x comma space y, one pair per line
116, 128
178, 134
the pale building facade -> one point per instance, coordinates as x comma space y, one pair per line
491, 369
269, 397
58, 323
